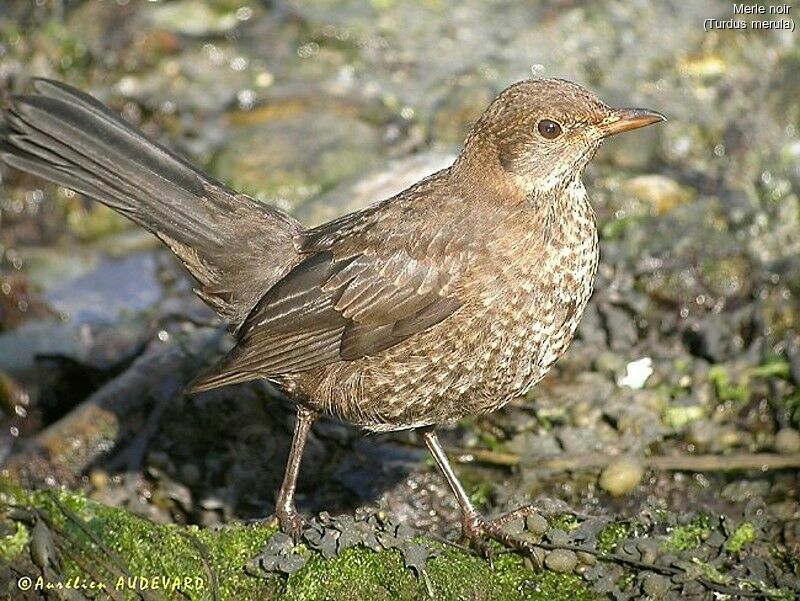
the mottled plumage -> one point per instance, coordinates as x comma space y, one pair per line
448, 299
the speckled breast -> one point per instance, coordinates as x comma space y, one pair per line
519, 317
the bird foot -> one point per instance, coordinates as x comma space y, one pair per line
291, 522
479, 531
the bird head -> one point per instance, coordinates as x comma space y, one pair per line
543, 132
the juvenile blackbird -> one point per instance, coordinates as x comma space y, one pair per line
448, 299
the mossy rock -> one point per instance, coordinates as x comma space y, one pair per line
60, 537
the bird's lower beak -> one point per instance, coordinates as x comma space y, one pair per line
622, 120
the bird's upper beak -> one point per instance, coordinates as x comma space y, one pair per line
622, 120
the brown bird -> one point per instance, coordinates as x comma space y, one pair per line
449, 299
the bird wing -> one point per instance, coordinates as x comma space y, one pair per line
349, 298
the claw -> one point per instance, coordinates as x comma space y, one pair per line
291, 522
478, 531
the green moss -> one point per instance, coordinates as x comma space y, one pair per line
742, 536
726, 389
710, 572
625, 582
195, 560
678, 416
69, 51
615, 229
776, 367
13, 544
610, 535
481, 493
683, 538
792, 404
566, 522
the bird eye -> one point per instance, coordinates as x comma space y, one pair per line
549, 129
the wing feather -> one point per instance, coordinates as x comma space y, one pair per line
343, 302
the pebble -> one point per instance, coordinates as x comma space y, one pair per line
649, 549
787, 441
561, 560
654, 585
658, 191
701, 434
557, 536
98, 479
515, 526
622, 475
536, 524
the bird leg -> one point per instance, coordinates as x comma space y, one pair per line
289, 518
477, 529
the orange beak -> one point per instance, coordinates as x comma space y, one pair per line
622, 120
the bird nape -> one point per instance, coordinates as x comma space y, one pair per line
448, 299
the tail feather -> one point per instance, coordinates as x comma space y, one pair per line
235, 247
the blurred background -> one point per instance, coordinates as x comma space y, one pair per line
682, 389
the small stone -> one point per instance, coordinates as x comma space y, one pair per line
98, 479
649, 550
586, 558
42, 546
701, 434
539, 556
561, 560
658, 191
622, 475
727, 438
536, 524
787, 441
557, 536
515, 526
655, 586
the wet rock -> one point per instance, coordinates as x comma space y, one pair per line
191, 17
578, 440
745, 490
610, 363
661, 192
20, 348
561, 560
620, 327
98, 479
557, 536
361, 190
728, 277
515, 526
127, 284
622, 475
709, 338
787, 441
655, 585
632, 154
19, 303
536, 524
294, 155
649, 548
457, 110
702, 434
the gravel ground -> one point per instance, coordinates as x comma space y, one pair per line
680, 396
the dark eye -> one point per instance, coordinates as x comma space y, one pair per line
549, 129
